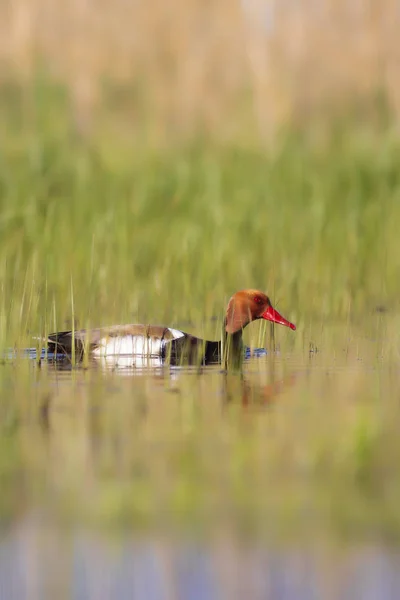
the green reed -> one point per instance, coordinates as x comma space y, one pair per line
166, 236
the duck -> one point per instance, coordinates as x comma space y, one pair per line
167, 343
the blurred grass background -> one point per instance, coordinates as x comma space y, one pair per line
223, 69
156, 157
104, 232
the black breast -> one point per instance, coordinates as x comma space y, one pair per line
190, 350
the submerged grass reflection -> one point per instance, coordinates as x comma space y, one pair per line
299, 444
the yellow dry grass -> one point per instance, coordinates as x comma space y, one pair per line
220, 66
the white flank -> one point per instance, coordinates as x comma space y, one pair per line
130, 364
132, 345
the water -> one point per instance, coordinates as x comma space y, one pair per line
145, 481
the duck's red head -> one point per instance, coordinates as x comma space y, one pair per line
248, 305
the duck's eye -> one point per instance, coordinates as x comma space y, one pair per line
257, 300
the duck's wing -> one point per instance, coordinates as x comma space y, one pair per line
118, 339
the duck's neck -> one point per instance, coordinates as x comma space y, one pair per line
232, 349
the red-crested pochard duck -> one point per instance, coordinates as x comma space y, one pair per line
167, 343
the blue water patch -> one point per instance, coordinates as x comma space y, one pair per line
255, 353
31, 353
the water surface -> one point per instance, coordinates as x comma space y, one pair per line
148, 481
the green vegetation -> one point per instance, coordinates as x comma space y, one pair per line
103, 229
127, 232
